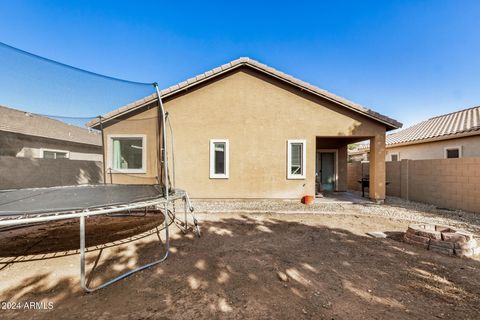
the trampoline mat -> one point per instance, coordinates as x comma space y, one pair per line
70, 198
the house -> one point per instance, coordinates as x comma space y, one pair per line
358, 152
246, 130
452, 135
27, 135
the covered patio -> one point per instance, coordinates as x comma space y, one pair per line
331, 165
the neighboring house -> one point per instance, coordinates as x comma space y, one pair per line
359, 153
246, 130
452, 135
27, 135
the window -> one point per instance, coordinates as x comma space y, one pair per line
55, 154
394, 157
296, 159
453, 152
128, 153
219, 159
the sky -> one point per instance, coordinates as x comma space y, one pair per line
409, 60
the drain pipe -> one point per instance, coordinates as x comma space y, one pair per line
172, 142
103, 152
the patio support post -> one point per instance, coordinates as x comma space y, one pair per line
377, 168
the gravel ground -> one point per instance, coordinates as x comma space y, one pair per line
394, 208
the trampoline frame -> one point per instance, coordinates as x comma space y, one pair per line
169, 196
161, 202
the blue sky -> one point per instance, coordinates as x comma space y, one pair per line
409, 60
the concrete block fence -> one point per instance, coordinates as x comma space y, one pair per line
445, 183
16, 173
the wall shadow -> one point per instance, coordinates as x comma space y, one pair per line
232, 272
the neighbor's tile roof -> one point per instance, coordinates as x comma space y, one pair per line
244, 61
16, 121
446, 126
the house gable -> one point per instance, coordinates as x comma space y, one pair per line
244, 93
208, 76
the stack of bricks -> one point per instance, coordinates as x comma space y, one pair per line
442, 239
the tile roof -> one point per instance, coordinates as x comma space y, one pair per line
16, 121
391, 123
445, 126
359, 149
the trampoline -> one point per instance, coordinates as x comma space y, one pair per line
63, 87
40, 205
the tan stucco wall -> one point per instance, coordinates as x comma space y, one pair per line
258, 115
143, 123
342, 168
435, 150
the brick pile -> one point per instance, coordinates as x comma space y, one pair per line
442, 239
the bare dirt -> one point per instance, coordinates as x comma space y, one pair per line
333, 271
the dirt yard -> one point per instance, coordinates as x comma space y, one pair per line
333, 271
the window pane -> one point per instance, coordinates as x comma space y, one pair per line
394, 157
127, 153
219, 157
453, 153
48, 155
296, 158
61, 155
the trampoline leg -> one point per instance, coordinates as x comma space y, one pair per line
185, 211
190, 207
126, 274
82, 253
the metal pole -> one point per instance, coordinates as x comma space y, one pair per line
185, 211
164, 142
83, 281
82, 253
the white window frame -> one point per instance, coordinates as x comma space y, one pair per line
459, 148
110, 138
55, 150
395, 154
214, 175
303, 175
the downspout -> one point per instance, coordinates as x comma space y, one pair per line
172, 142
103, 152
164, 143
